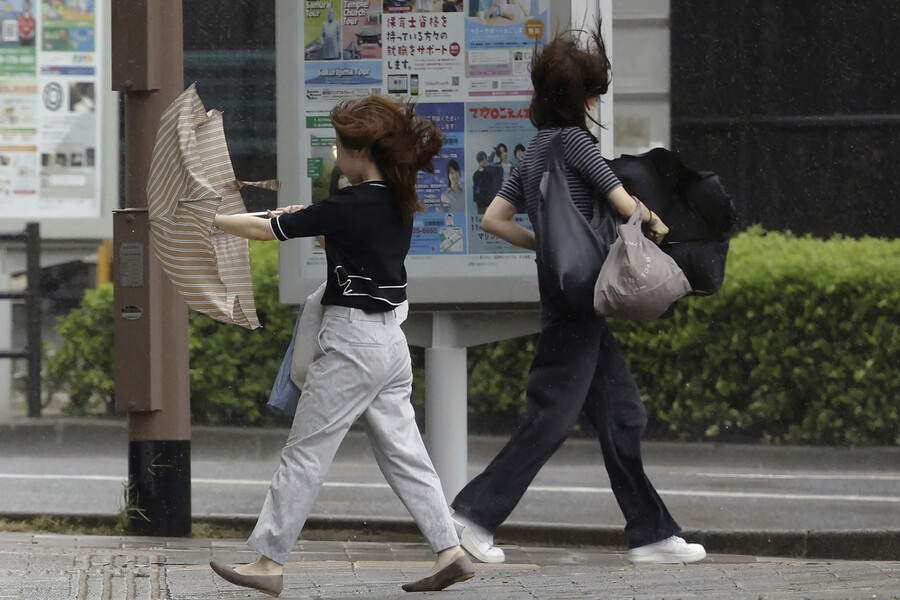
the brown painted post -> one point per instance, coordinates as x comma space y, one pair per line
151, 329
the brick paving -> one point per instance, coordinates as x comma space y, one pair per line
57, 567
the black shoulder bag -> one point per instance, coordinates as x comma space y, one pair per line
570, 250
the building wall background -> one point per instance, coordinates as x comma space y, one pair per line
640, 59
796, 103
229, 52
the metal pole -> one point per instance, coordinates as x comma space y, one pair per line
104, 263
33, 307
446, 404
5, 337
445, 335
151, 335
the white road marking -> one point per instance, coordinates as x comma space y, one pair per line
813, 476
535, 488
61, 477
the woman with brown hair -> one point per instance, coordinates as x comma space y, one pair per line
364, 370
578, 366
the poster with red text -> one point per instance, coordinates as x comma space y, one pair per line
497, 135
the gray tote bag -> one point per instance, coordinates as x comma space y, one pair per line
638, 281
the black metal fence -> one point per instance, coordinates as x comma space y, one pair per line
31, 238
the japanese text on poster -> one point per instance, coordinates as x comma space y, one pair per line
463, 64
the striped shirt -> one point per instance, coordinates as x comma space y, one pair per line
586, 172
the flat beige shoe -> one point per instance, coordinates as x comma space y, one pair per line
459, 570
267, 584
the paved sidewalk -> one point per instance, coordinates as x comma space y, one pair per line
55, 567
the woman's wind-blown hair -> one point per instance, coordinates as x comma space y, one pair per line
402, 143
565, 75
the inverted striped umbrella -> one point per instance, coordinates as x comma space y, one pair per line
191, 179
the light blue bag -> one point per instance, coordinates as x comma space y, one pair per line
285, 394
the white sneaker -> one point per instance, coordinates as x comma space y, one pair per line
477, 540
670, 550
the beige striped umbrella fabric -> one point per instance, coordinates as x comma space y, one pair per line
191, 179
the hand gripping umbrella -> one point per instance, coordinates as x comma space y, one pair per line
191, 179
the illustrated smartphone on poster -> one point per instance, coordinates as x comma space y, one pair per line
414, 84
397, 84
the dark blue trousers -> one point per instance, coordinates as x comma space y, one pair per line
578, 366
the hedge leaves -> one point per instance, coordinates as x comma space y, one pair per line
801, 345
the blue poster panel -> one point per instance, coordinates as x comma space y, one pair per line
441, 230
497, 135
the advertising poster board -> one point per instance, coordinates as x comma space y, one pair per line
55, 118
463, 63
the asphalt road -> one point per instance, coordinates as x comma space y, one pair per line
705, 486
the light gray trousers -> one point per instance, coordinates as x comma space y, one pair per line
364, 372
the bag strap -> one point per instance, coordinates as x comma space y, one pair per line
555, 151
556, 157
636, 217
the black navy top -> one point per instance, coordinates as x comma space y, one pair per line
586, 172
366, 242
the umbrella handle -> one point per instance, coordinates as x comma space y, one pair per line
267, 184
264, 213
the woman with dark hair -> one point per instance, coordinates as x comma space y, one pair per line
365, 369
577, 367
501, 152
453, 199
338, 181
519, 152
486, 181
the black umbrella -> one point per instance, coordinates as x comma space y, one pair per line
694, 204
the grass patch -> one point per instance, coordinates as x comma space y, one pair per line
210, 528
111, 526
61, 525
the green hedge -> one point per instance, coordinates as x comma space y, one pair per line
232, 368
801, 345
83, 365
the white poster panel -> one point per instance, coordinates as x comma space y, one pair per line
56, 117
424, 53
500, 36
